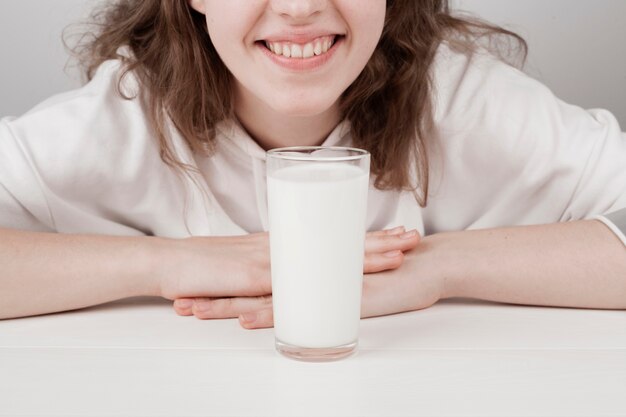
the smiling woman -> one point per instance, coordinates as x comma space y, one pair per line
94, 206
378, 71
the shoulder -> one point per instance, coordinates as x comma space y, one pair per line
89, 152
490, 118
88, 130
96, 112
495, 112
482, 101
479, 88
505, 138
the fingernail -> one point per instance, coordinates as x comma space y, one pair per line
396, 230
393, 254
409, 235
248, 318
184, 303
201, 307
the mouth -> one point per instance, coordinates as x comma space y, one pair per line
316, 47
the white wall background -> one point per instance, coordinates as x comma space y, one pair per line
577, 47
32, 56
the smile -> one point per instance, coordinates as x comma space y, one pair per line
316, 47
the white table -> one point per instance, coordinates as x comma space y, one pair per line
137, 357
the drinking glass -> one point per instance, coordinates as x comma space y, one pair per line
317, 202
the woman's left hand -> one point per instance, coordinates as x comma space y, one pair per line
413, 286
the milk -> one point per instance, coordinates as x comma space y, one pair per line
317, 230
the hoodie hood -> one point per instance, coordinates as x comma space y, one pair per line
238, 178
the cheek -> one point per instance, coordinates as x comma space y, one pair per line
229, 23
366, 25
373, 23
221, 37
365, 19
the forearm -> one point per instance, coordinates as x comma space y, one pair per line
44, 272
576, 264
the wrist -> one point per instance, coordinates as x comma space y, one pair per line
445, 263
150, 259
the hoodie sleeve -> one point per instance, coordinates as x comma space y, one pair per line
22, 203
616, 222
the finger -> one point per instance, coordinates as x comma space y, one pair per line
377, 262
258, 319
387, 243
224, 308
182, 306
394, 231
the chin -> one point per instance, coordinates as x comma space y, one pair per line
303, 106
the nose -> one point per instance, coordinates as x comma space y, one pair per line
298, 9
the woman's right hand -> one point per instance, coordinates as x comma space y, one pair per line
224, 266
239, 266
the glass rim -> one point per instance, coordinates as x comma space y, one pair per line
277, 154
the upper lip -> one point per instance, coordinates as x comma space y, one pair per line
296, 36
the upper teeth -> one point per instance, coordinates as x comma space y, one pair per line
318, 46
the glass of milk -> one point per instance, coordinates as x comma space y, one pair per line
317, 201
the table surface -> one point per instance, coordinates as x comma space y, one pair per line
459, 357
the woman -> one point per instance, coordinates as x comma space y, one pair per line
152, 175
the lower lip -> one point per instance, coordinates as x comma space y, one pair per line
302, 64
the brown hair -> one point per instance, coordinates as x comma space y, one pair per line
389, 105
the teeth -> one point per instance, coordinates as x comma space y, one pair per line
307, 51
316, 47
317, 50
296, 51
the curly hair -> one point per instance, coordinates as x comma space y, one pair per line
389, 105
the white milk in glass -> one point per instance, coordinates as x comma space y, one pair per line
317, 231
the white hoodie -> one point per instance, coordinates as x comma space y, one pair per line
507, 153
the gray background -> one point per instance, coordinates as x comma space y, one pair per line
576, 47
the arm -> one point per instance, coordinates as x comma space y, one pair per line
49, 272
577, 264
